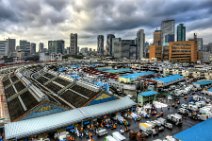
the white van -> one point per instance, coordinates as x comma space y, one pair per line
193, 107
175, 118
110, 138
118, 136
200, 104
204, 113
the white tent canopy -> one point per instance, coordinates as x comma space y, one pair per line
42, 124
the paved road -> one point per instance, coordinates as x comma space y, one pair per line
187, 123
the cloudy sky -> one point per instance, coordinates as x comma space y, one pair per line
43, 20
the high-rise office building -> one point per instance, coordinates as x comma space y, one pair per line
41, 47
109, 44
10, 47
200, 43
140, 44
157, 37
116, 47
32, 48
100, 45
25, 47
124, 48
168, 31
2, 48
186, 51
146, 49
181, 32
73, 43
56, 46
155, 52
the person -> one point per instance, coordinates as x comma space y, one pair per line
132, 135
139, 136
91, 138
125, 125
81, 133
90, 135
77, 132
114, 126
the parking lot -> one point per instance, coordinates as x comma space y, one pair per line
187, 123
134, 125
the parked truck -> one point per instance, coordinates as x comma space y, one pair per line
205, 113
175, 118
146, 128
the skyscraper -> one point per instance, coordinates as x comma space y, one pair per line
116, 49
73, 43
123, 48
10, 47
100, 45
56, 46
199, 43
109, 44
140, 44
181, 32
32, 48
25, 47
168, 31
2, 48
157, 37
41, 47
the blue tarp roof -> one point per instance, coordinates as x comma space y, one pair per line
103, 69
74, 76
62, 69
148, 93
210, 90
74, 66
199, 132
170, 78
118, 70
104, 85
136, 75
203, 82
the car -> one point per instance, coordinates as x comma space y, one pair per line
193, 107
169, 138
183, 111
168, 125
200, 104
175, 118
101, 132
184, 106
191, 103
164, 122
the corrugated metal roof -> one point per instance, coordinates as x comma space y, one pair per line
107, 107
38, 125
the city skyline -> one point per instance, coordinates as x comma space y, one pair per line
41, 21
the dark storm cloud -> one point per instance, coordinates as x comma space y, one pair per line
87, 36
126, 15
89, 18
57, 4
6, 13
